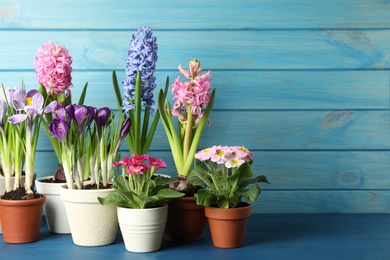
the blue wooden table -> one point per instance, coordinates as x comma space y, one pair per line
269, 236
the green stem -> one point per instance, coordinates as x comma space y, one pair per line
188, 133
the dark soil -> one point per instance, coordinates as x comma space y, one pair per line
19, 194
94, 187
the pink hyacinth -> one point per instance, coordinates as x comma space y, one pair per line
196, 92
53, 68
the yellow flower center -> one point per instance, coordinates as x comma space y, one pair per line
235, 161
220, 153
29, 101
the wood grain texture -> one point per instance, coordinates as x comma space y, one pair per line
251, 90
304, 85
202, 14
241, 50
268, 237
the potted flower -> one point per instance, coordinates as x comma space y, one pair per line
90, 139
192, 107
138, 87
141, 199
20, 118
53, 69
225, 173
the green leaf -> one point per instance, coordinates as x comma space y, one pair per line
169, 194
252, 194
82, 96
246, 182
120, 183
112, 198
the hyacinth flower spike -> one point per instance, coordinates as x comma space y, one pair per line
138, 86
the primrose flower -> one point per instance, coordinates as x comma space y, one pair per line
229, 156
220, 154
53, 68
141, 57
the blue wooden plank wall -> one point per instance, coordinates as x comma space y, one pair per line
303, 84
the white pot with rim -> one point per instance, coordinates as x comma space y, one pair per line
142, 229
54, 207
91, 224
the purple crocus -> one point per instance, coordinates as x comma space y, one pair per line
82, 115
125, 128
141, 57
102, 116
59, 129
31, 103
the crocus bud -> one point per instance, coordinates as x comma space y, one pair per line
125, 129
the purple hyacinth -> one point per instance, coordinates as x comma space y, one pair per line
141, 57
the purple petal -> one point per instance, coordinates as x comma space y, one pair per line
17, 119
125, 129
37, 100
59, 129
51, 107
80, 113
102, 116
32, 92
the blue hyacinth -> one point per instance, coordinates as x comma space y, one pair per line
141, 57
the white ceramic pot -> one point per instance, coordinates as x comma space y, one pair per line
91, 224
142, 229
2, 189
54, 208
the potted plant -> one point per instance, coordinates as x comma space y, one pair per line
225, 173
53, 69
141, 199
192, 107
89, 141
20, 118
138, 87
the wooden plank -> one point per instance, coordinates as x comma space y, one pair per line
323, 201
258, 50
289, 130
246, 14
243, 90
302, 170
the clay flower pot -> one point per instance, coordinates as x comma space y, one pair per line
2, 187
186, 220
21, 219
228, 226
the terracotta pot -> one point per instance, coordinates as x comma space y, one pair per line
142, 229
228, 226
2, 187
54, 207
21, 219
186, 221
91, 224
